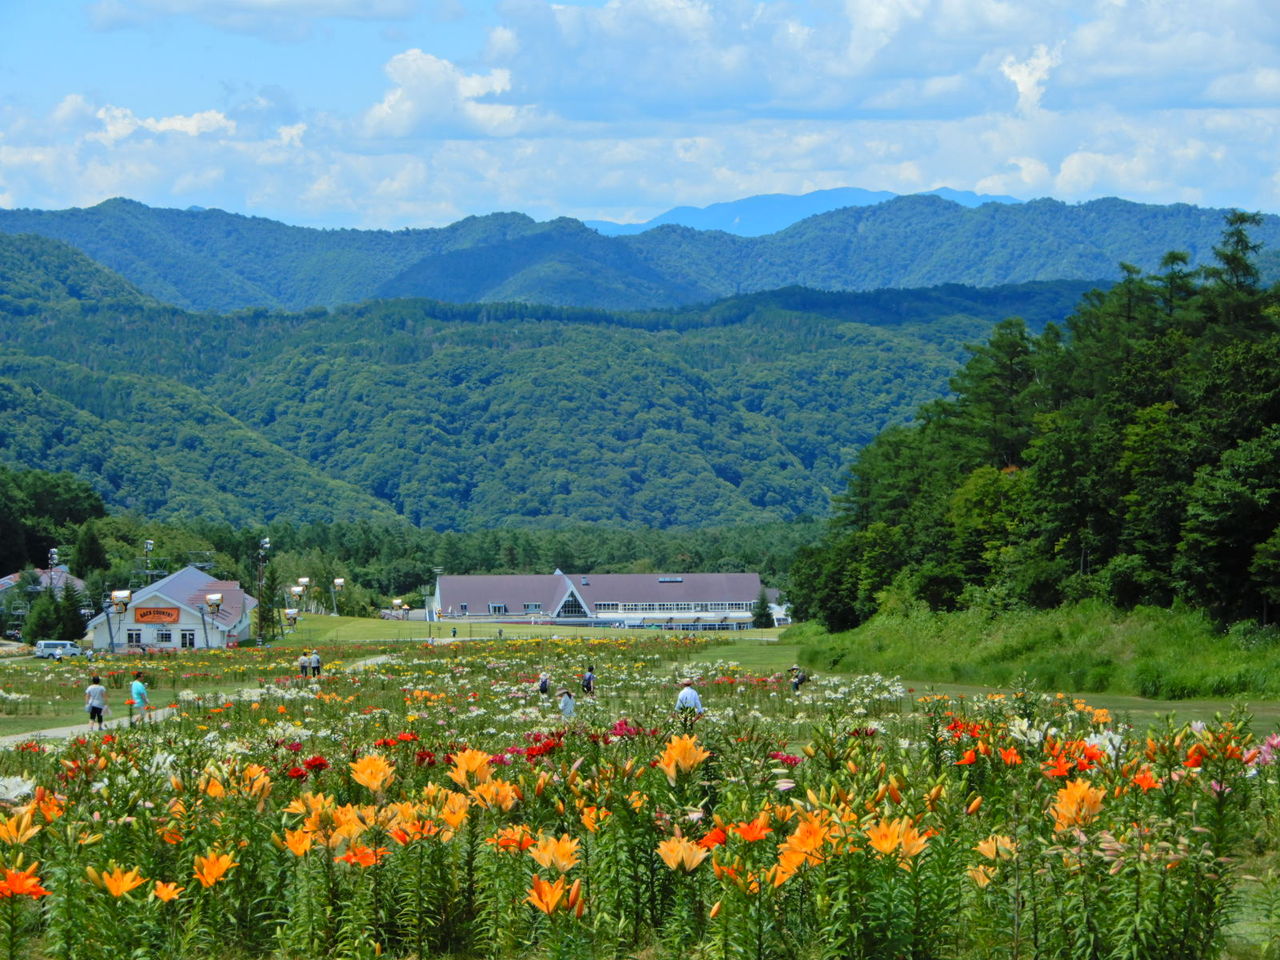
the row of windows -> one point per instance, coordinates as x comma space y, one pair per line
694, 607
186, 638
572, 608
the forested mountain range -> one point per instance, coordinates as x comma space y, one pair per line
1131, 454
464, 416
212, 260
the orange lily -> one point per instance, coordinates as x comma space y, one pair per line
119, 881
22, 883
681, 854
166, 892
1076, 805
545, 896
211, 868
562, 853
372, 771
681, 755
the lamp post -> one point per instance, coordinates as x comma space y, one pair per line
212, 602
338, 584
430, 613
119, 603
263, 546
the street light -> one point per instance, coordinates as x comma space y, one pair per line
119, 603
338, 584
264, 607
213, 603
296, 592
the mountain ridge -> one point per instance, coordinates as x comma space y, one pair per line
770, 212
213, 260
463, 416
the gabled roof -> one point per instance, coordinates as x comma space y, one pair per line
668, 587
515, 590
188, 588
58, 576
551, 590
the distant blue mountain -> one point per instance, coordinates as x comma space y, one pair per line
771, 212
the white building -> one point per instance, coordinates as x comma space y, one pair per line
186, 610
670, 601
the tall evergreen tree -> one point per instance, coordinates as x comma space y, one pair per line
43, 621
89, 554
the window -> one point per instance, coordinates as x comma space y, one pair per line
164, 636
188, 639
462, 607
572, 608
533, 608
497, 608
606, 608
133, 638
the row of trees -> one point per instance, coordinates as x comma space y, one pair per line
1133, 456
377, 560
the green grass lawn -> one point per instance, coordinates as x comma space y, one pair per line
764, 656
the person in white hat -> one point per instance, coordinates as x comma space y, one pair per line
688, 698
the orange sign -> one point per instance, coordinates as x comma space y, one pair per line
155, 614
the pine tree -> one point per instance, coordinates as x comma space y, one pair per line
71, 622
761, 616
89, 553
43, 621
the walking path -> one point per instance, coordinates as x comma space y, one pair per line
155, 716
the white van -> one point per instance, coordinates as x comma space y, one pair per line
52, 649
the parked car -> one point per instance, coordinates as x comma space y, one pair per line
54, 649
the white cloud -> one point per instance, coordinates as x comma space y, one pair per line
1260, 85
433, 95
120, 122
1028, 76
623, 108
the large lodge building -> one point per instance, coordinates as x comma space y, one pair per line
671, 601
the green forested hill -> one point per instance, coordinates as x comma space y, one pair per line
465, 416
1132, 455
212, 260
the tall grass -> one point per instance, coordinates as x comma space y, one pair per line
1087, 647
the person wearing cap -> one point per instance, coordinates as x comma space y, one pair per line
566, 703
315, 663
688, 698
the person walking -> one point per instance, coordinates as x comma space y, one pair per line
315, 663
138, 693
688, 699
567, 705
95, 699
544, 683
589, 681
304, 664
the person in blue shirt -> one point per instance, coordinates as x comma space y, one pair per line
566, 703
688, 698
138, 691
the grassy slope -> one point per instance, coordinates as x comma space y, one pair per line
1087, 648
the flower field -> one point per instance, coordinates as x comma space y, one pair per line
432, 802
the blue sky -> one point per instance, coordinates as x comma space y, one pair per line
393, 113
